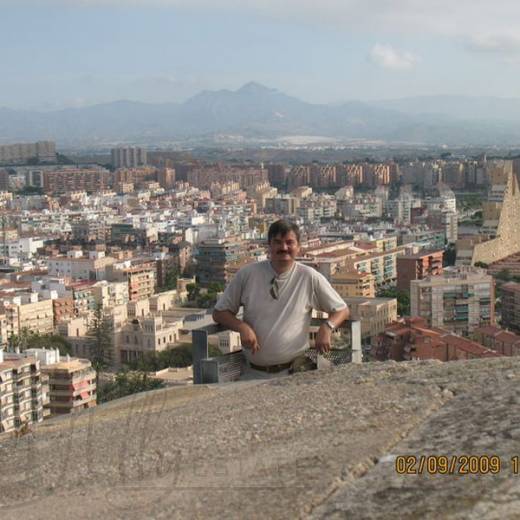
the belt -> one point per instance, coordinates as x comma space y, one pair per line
272, 369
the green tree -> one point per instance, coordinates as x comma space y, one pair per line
102, 345
193, 291
215, 287
504, 275
170, 280
127, 383
403, 299
36, 340
153, 361
20, 341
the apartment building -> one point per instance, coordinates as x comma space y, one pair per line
362, 206
376, 174
382, 265
4, 180
417, 267
214, 257
510, 306
350, 174
66, 180
381, 245
246, 176
63, 309
374, 313
162, 302
90, 230
141, 280
148, 334
23, 391
278, 174
412, 338
349, 283
83, 298
299, 175
20, 153
328, 258
261, 192
282, 205
459, 300
136, 176
166, 178
323, 176
128, 157
72, 385
3, 328
502, 341
110, 294
20, 248
139, 275
78, 266
27, 311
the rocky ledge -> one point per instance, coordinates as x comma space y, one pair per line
316, 444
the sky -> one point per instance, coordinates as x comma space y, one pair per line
72, 53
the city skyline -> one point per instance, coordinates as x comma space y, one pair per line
72, 54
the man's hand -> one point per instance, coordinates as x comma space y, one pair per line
323, 339
248, 338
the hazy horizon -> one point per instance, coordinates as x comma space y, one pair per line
337, 102
84, 52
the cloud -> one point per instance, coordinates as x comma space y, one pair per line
476, 24
495, 43
389, 58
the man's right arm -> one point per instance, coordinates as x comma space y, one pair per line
247, 334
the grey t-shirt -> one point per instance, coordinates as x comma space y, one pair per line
281, 325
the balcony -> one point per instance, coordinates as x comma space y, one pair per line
212, 370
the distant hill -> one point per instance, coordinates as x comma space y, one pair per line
255, 112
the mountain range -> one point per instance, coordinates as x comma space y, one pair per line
255, 113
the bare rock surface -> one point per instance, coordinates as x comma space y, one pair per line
316, 444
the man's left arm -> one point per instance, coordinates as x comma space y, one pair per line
329, 301
324, 335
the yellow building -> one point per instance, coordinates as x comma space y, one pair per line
374, 313
351, 283
28, 313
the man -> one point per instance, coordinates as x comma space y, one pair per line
278, 296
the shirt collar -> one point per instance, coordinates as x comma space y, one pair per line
283, 276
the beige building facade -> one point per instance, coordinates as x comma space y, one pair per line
374, 313
72, 385
350, 283
458, 300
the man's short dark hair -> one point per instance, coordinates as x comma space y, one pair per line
282, 227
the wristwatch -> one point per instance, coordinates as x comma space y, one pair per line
330, 325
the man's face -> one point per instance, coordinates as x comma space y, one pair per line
284, 248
